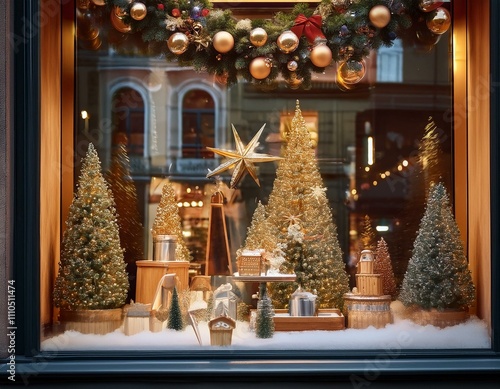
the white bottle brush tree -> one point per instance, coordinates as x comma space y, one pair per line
438, 275
92, 269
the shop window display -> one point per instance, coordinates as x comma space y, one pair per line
309, 200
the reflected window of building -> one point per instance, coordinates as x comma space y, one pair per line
390, 63
128, 120
198, 118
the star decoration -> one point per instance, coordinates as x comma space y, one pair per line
242, 160
318, 192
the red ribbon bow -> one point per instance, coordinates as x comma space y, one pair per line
311, 27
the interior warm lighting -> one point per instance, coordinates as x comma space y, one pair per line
353, 232
200, 203
405, 163
370, 150
186, 234
382, 176
186, 204
179, 204
194, 203
367, 169
188, 190
375, 183
400, 167
382, 228
354, 191
387, 173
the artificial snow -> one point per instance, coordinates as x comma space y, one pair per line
403, 334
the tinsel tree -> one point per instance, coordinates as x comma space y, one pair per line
382, 265
174, 321
168, 221
264, 323
92, 271
368, 237
298, 198
438, 275
127, 208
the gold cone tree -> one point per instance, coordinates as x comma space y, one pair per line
368, 237
382, 265
91, 270
300, 216
168, 221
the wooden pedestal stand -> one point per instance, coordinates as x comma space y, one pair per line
364, 311
149, 273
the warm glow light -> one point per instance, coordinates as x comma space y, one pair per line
356, 197
375, 183
382, 176
188, 190
186, 204
387, 173
400, 167
354, 191
367, 169
84, 115
179, 204
194, 203
370, 150
353, 232
200, 203
405, 163
186, 234
382, 228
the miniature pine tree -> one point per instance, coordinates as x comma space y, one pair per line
264, 323
174, 321
382, 265
368, 237
298, 196
127, 209
91, 270
168, 221
438, 275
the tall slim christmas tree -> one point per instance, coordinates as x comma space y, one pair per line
168, 221
368, 237
127, 208
298, 199
91, 270
174, 321
383, 266
438, 275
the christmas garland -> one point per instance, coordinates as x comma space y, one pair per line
291, 44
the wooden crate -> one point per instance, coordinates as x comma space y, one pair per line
369, 284
327, 320
250, 265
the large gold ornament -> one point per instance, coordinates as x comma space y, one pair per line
138, 11
242, 160
258, 37
117, 21
321, 55
260, 68
288, 42
429, 5
223, 42
178, 43
351, 72
380, 16
440, 21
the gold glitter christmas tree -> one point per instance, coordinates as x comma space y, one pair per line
168, 221
300, 216
92, 270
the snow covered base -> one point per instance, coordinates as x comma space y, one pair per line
403, 334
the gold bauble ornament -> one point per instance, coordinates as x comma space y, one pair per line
138, 11
119, 12
178, 43
288, 42
440, 21
223, 42
351, 72
294, 82
118, 23
258, 37
321, 56
380, 16
429, 5
99, 2
260, 68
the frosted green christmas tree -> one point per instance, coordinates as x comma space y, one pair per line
264, 323
92, 269
298, 205
174, 321
438, 275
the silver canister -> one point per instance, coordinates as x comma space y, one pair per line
164, 248
302, 303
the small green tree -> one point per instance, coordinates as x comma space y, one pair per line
174, 321
438, 275
92, 269
264, 322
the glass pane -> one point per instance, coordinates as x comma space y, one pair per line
363, 142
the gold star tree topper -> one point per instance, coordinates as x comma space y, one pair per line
242, 160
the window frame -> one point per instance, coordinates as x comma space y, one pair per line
367, 365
